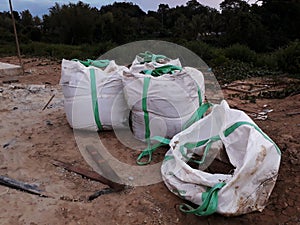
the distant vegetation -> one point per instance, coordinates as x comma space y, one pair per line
264, 36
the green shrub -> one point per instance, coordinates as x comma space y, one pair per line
58, 51
8, 49
203, 50
220, 59
288, 59
240, 52
268, 60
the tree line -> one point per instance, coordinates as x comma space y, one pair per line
262, 27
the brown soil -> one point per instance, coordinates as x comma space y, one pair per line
31, 138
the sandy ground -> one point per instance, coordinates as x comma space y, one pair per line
31, 138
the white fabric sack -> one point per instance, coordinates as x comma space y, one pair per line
254, 155
80, 110
171, 100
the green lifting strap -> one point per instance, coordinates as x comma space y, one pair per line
97, 63
150, 149
144, 107
208, 143
167, 69
230, 129
95, 99
197, 115
227, 132
162, 141
209, 202
199, 96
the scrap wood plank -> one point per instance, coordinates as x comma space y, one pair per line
89, 174
103, 165
19, 185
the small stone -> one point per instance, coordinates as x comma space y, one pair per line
294, 161
49, 123
130, 178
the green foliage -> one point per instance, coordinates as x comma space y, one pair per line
262, 28
236, 70
58, 51
224, 39
240, 52
70, 24
220, 60
203, 50
268, 60
288, 59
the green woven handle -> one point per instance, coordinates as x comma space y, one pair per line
167, 69
97, 63
209, 202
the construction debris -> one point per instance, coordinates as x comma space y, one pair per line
292, 113
9, 143
101, 192
19, 185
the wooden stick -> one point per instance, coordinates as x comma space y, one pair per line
48, 102
16, 36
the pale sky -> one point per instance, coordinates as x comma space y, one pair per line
41, 7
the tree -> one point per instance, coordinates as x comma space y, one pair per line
241, 25
71, 24
282, 18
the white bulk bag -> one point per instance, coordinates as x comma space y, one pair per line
93, 97
254, 155
160, 106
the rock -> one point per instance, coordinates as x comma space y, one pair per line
9, 143
49, 123
294, 161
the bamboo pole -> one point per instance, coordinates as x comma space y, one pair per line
16, 35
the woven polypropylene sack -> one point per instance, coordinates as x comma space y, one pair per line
254, 156
169, 101
93, 97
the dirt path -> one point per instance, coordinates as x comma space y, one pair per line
30, 138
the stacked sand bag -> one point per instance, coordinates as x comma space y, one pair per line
161, 95
93, 94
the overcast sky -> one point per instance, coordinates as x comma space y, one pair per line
41, 7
